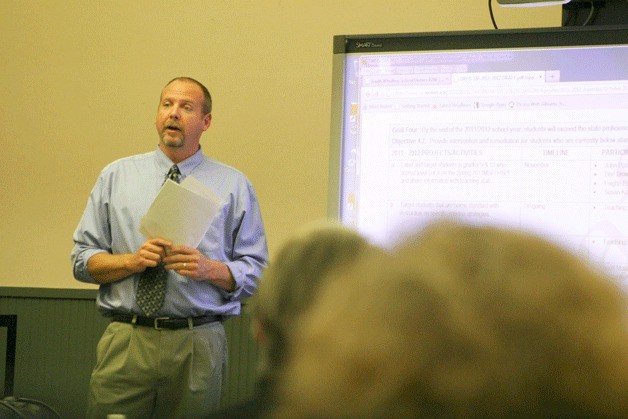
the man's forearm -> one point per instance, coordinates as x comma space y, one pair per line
220, 275
106, 268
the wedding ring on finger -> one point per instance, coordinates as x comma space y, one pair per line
185, 265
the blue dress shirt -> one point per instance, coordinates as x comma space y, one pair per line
122, 195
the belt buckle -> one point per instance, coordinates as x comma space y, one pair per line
156, 322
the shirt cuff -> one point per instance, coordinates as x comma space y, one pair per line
80, 266
235, 273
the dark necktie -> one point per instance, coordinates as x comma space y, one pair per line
151, 289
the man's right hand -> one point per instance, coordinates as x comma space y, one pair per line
107, 267
150, 254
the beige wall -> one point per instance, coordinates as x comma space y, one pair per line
80, 80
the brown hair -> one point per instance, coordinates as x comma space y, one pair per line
207, 103
463, 321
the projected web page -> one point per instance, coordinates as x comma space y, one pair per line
528, 144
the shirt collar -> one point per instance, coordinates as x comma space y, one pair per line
185, 167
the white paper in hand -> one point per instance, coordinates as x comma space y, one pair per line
181, 213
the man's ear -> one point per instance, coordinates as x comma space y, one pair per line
207, 121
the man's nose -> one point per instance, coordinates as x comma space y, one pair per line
174, 112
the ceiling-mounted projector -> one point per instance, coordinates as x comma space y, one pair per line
531, 3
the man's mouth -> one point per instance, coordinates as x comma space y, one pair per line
173, 128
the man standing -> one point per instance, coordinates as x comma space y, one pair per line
166, 357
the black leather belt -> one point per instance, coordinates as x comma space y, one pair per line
165, 322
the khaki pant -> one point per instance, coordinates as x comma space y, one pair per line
146, 373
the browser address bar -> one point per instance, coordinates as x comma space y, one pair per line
499, 89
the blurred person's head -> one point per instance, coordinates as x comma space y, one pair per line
292, 280
462, 321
